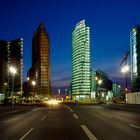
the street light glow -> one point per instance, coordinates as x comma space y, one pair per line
13, 70
33, 83
99, 81
28, 78
125, 69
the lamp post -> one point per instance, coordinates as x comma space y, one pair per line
5, 85
98, 82
13, 71
33, 83
125, 70
27, 87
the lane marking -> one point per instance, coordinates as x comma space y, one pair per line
106, 116
69, 108
36, 109
28, 113
89, 134
76, 117
22, 138
134, 126
43, 118
12, 119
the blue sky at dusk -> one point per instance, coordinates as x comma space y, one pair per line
110, 22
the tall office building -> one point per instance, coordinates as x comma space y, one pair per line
11, 55
15, 58
40, 71
3, 66
81, 62
135, 58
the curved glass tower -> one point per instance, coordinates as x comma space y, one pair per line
81, 62
135, 58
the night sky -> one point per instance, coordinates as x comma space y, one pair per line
110, 22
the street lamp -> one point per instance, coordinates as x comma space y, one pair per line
125, 70
13, 71
27, 87
98, 82
33, 83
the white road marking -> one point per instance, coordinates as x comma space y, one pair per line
138, 127
43, 118
107, 116
69, 108
76, 117
28, 113
22, 138
89, 134
12, 119
35, 109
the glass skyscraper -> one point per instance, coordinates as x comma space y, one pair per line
40, 70
81, 62
11, 54
135, 58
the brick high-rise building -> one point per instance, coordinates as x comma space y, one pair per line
40, 70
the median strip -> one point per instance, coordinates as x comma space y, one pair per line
134, 126
23, 137
75, 116
89, 134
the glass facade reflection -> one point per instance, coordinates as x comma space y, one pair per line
81, 62
135, 58
11, 54
40, 71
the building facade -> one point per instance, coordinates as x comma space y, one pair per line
116, 88
11, 55
100, 84
81, 61
40, 70
135, 58
93, 83
3, 66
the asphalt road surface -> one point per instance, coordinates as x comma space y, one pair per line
73, 122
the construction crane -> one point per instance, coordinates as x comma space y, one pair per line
125, 67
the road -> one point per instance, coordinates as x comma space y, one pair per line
73, 122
